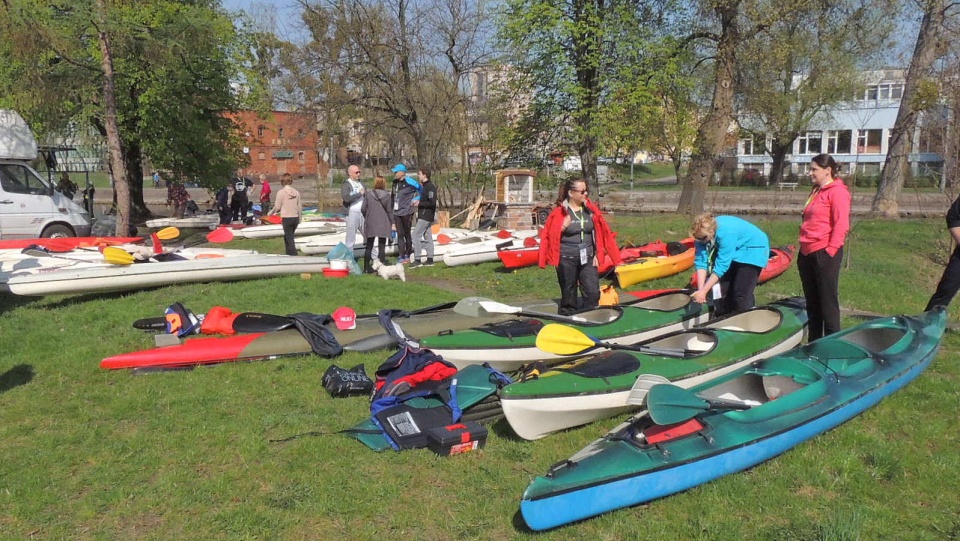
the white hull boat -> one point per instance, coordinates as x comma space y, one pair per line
205, 221
152, 274
313, 227
481, 248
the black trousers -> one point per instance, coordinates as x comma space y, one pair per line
736, 288
949, 282
572, 277
238, 208
289, 228
820, 278
404, 239
368, 252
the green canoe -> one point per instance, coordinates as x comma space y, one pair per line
510, 344
615, 382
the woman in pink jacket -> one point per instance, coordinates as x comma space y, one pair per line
826, 221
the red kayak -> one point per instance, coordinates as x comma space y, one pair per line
779, 261
528, 255
63, 244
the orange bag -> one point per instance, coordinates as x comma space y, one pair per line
609, 296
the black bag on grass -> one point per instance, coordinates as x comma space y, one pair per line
339, 382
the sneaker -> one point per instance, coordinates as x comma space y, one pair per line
429, 262
416, 264
403, 261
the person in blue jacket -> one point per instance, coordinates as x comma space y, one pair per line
406, 198
730, 253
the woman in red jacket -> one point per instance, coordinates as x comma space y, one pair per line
574, 238
826, 221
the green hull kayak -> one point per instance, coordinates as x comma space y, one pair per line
687, 437
599, 386
511, 344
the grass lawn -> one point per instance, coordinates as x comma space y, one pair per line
92, 454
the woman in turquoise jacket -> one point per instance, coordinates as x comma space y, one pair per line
730, 254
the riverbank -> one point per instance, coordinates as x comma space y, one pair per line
719, 200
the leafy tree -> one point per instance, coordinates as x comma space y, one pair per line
151, 77
574, 54
793, 72
920, 93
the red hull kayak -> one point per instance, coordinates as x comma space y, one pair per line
67, 243
780, 259
528, 256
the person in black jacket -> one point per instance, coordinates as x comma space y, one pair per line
223, 204
950, 281
426, 213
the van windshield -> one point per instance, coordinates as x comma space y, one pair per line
15, 178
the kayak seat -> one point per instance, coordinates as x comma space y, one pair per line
844, 358
604, 365
600, 316
758, 320
665, 303
512, 328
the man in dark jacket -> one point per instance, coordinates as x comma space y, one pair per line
950, 281
240, 202
406, 197
426, 213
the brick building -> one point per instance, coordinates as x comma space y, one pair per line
284, 142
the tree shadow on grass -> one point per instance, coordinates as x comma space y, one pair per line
16, 376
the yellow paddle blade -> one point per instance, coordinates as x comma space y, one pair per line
563, 340
168, 233
117, 256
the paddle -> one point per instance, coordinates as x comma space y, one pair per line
119, 256
40, 251
563, 340
479, 306
669, 404
67, 244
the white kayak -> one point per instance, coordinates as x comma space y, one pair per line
313, 227
321, 244
481, 248
203, 221
142, 275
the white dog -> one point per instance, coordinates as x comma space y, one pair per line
388, 271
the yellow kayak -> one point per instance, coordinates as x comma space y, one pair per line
651, 268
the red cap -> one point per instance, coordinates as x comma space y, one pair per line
345, 318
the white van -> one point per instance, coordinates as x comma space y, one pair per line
29, 205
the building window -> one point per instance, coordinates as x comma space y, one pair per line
930, 140
810, 142
752, 145
839, 141
259, 131
261, 156
868, 141
301, 156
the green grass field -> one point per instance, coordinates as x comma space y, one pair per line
92, 454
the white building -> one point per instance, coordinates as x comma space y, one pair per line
856, 134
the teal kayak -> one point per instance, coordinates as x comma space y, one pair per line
507, 345
687, 437
614, 382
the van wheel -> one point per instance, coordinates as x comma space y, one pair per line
57, 231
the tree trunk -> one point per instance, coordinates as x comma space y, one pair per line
710, 136
121, 184
778, 152
133, 157
897, 163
